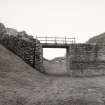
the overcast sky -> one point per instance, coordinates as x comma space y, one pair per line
73, 18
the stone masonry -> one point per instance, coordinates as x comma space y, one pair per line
83, 60
29, 49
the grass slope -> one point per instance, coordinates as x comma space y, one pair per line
17, 79
99, 39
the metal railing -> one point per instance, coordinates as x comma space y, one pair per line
56, 40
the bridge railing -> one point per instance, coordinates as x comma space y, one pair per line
56, 40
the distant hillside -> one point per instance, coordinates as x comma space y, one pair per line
58, 59
12, 31
55, 66
99, 39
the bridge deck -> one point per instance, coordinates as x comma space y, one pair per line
53, 45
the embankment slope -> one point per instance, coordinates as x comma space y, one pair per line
17, 79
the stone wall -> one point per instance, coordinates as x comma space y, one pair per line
29, 49
84, 60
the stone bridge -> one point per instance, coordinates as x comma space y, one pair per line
80, 58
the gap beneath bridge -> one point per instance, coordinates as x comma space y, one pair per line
58, 42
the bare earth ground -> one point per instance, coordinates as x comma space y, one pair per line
22, 85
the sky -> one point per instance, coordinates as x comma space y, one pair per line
81, 19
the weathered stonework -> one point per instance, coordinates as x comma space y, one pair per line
83, 59
30, 50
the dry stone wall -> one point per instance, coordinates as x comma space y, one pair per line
30, 50
84, 60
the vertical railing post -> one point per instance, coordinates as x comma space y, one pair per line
55, 40
74, 39
46, 39
34, 57
34, 51
36, 37
65, 39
